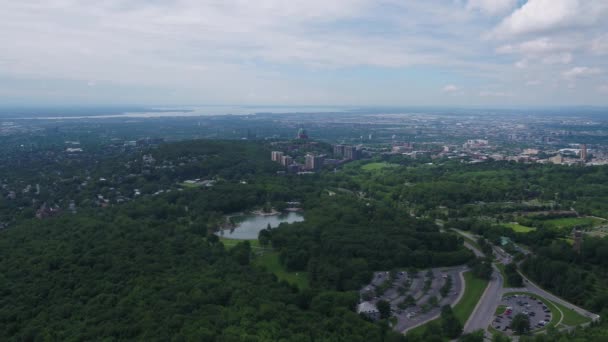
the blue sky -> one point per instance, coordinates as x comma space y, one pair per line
279, 52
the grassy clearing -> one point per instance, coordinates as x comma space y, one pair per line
571, 222
474, 288
229, 243
270, 260
518, 228
190, 185
571, 318
377, 166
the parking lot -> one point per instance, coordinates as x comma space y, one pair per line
414, 297
539, 314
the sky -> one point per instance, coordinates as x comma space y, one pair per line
304, 52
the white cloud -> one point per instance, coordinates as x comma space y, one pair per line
603, 89
533, 82
543, 50
539, 16
578, 72
301, 51
561, 58
492, 7
487, 93
450, 88
522, 64
599, 46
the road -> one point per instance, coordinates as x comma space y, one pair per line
533, 288
484, 311
489, 301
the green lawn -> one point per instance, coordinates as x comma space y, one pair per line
571, 222
474, 288
229, 243
518, 228
500, 310
377, 166
270, 260
190, 185
571, 317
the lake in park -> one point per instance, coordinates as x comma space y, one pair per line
248, 226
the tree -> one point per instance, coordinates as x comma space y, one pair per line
500, 338
384, 308
450, 325
481, 268
521, 324
513, 277
475, 336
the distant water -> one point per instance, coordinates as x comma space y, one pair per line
249, 226
192, 112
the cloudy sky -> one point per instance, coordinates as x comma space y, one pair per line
288, 52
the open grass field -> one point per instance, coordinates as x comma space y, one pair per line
571, 222
270, 261
518, 228
377, 166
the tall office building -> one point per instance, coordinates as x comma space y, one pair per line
313, 162
351, 152
286, 160
339, 150
276, 156
583, 152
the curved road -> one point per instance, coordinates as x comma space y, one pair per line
484, 311
533, 288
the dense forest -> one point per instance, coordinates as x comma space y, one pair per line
344, 239
150, 267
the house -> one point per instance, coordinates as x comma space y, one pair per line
368, 309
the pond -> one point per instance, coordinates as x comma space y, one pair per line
248, 226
